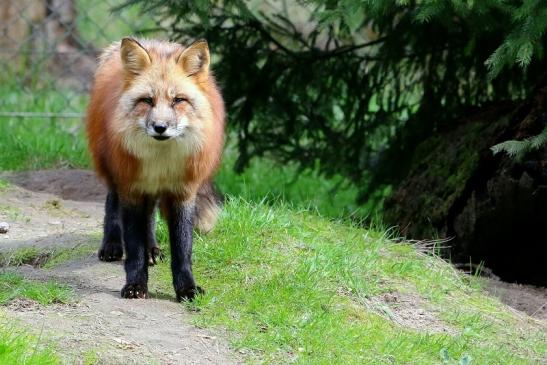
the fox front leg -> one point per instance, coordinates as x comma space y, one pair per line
180, 222
135, 217
111, 247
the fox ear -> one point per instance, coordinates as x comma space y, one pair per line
134, 57
195, 59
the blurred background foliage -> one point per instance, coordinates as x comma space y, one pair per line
353, 87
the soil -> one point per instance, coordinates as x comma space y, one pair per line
408, 310
525, 298
63, 207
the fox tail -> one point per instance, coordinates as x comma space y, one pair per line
208, 205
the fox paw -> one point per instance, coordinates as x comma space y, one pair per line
155, 254
188, 293
111, 251
135, 291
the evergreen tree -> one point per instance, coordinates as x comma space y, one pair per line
356, 85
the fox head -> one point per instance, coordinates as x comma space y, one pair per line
163, 101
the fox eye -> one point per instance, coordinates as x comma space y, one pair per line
178, 100
146, 100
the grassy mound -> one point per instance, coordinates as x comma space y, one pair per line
292, 286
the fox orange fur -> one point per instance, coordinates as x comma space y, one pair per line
155, 127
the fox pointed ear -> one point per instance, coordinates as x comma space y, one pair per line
134, 57
195, 59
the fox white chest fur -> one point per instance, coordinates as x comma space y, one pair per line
156, 177
162, 163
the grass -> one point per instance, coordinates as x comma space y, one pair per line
11, 213
23, 146
264, 181
63, 255
47, 258
91, 357
21, 256
19, 347
290, 286
13, 286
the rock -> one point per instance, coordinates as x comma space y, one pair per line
4, 227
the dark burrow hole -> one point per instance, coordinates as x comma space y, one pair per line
515, 259
505, 229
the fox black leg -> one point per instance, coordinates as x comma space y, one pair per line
135, 217
111, 247
154, 252
180, 222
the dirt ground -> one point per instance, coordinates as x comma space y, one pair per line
62, 208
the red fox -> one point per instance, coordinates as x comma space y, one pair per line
155, 126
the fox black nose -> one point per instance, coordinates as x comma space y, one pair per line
159, 128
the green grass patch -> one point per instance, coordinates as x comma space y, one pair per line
19, 347
13, 286
24, 256
60, 256
36, 143
101, 25
27, 144
291, 286
91, 357
266, 181
46, 258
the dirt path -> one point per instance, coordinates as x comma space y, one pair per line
62, 208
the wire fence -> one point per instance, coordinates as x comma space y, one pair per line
48, 52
